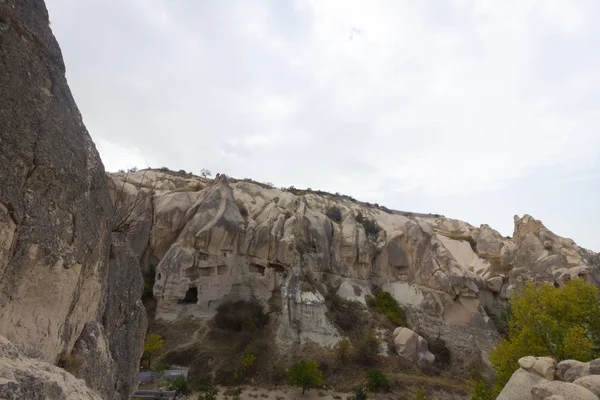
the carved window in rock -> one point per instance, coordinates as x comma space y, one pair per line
257, 269
191, 296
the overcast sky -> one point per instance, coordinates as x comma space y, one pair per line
477, 110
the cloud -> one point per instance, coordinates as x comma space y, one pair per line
448, 99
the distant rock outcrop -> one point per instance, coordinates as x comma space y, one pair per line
63, 274
213, 241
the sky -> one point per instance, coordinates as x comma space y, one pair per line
477, 110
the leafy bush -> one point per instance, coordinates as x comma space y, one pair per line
366, 348
179, 385
334, 213
563, 323
501, 322
241, 316
152, 346
376, 380
342, 349
421, 394
441, 352
388, 306
370, 225
209, 393
360, 394
347, 315
305, 374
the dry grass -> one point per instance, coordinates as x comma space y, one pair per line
499, 266
462, 238
190, 187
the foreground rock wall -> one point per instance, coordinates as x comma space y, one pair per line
217, 240
56, 248
541, 378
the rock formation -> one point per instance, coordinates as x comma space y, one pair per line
412, 347
66, 282
25, 378
540, 378
213, 241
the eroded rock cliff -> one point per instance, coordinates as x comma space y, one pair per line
59, 263
218, 240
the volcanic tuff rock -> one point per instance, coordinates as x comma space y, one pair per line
218, 240
25, 378
55, 214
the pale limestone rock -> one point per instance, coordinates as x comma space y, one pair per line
542, 366
565, 365
568, 390
31, 379
576, 372
595, 367
495, 284
590, 382
520, 385
412, 347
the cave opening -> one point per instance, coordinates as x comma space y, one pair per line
191, 296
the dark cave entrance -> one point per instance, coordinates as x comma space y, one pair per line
191, 296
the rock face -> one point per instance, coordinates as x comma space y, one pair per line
540, 378
213, 241
56, 285
412, 347
26, 378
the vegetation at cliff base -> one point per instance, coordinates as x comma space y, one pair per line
152, 347
305, 374
563, 323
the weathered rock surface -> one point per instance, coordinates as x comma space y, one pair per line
56, 286
218, 240
540, 378
590, 382
25, 378
565, 389
412, 347
544, 367
519, 386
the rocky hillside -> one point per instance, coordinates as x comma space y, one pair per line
69, 286
215, 241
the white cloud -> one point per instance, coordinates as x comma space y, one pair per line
399, 99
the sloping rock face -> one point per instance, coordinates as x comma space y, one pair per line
26, 378
540, 378
55, 210
213, 241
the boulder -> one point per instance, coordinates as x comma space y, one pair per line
563, 366
26, 378
595, 367
565, 389
495, 284
412, 347
520, 385
590, 382
542, 366
577, 372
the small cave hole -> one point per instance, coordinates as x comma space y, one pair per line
191, 296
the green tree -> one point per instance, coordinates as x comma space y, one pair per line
179, 385
305, 374
563, 323
388, 306
153, 345
376, 380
